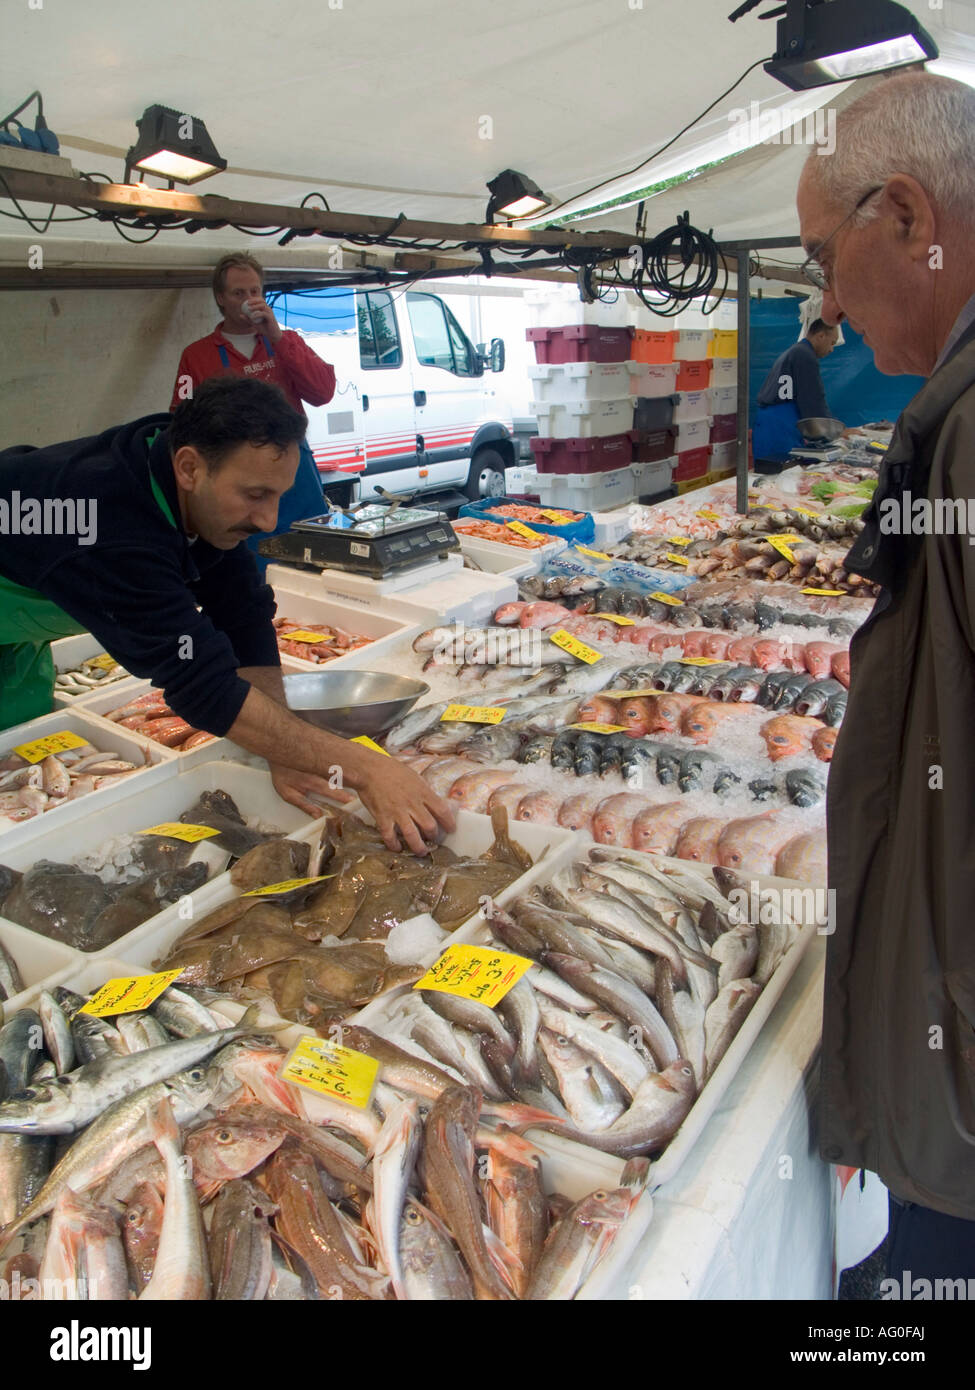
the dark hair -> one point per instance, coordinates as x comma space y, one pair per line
819, 326
227, 411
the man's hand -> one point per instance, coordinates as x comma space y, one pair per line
402, 804
263, 319
296, 787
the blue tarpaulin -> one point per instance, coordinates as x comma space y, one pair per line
857, 393
320, 311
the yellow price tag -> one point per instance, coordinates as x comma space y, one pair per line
101, 663
128, 994
473, 714
591, 728
560, 518
302, 635
661, 597
825, 593
520, 529
336, 1071
641, 693
782, 536
702, 661
367, 742
710, 516
475, 972
176, 830
596, 554
286, 886
616, 618
677, 559
779, 544
40, 748
807, 511
680, 540
573, 646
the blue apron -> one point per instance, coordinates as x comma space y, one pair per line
775, 431
303, 499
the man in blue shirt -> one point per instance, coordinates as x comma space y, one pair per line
793, 391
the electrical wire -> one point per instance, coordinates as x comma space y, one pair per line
657, 153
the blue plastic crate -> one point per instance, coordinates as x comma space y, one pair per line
583, 530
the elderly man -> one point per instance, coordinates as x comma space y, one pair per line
889, 222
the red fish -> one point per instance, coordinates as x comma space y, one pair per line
741, 650
840, 667
668, 710
692, 643
818, 658
698, 840
752, 843
544, 614
598, 709
657, 828
541, 807
787, 734
636, 715
612, 820
716, 644
509, 614
822, 744
700, 721
804, 857
771, 653
577, 812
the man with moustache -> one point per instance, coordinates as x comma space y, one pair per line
168, 587
888, 221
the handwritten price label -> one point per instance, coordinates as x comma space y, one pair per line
40, 748
590, 728
661, 597
473, 714
574, 647
520, 529
128, 994
709, 516
596, 554
475, 972
286, 886
303, 635
332, 1070
367, 742
176, 830
643, 692
616, 618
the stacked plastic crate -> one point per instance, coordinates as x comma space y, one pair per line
723, 352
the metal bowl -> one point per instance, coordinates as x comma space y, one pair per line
819, 429
351, 703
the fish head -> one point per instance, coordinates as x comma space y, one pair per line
538, 806
698, 840
636, 716
822, 743
605, 1207
229, 1148
576, 813
44, 1109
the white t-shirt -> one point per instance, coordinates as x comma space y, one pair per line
245, 343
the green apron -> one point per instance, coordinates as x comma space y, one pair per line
29, 623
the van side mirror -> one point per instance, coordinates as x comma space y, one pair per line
497, 356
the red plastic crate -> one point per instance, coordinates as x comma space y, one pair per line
650, 347
651, 445
692, 463
695, 376
583, 455
581, 342
723, 428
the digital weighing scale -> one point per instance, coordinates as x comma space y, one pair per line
806, 454
373, 539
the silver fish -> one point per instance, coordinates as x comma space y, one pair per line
11, 981
621, 1060
432, 1269
240, 1243
576, 1243
393, 1161
736, 952
725, 1016
587, 1090
625, 1000
182, 1267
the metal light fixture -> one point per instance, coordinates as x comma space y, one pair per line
173, 146
837, 41
514, 195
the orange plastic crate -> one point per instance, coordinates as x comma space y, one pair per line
656, 348
695, 376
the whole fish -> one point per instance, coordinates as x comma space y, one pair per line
240, 1242
182, 1266
455, 1047
84, 1252
684, 1014
72, 1102
492, 743
659, 1108
787, 734
632, 921
11, 980
141, 1228
468, 1013
624, 999
771, 688
791, 689
393, 1161
835, 708
587, 1090
697, 770
25, 1162
400, 1068
613, 817
519, 1009
698, 840
725, 1016
840, 667
823, 742
752, 843
803, 857
448, 1174
803, 787
817, 695
517, 1212
619, 1059
736, 952
21, 1048
432, 1269
576, 1242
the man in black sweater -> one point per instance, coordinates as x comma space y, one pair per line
793, 391
136, 535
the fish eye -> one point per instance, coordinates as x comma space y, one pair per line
562, 1042
600, 1195
29, 1094
197, 1074
412, 1216
224, 1136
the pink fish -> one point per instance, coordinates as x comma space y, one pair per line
577, 812
613, 818
592, 629
663, 642
692, 643
508, 796
656, 829
701, 720
818, 657
840, 667
509, 614
716, 644
741, 650
441, 774
804, 857
544, 614
822, 744
598, 709
668, 710
771, 653
637, 715
787, 734
698, 840
473, 789
752, 843
541, 807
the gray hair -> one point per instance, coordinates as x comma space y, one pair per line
914, 123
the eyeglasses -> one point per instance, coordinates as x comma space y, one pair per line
810, 267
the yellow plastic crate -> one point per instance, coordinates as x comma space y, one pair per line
724, 343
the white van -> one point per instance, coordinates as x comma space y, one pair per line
412, 410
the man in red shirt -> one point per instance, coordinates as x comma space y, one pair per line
250, 342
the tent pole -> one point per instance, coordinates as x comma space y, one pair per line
741, 463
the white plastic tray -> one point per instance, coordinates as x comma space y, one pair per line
584, 419
376, 623
38, 960
115, 742
99, 705
69, 652
250, 788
